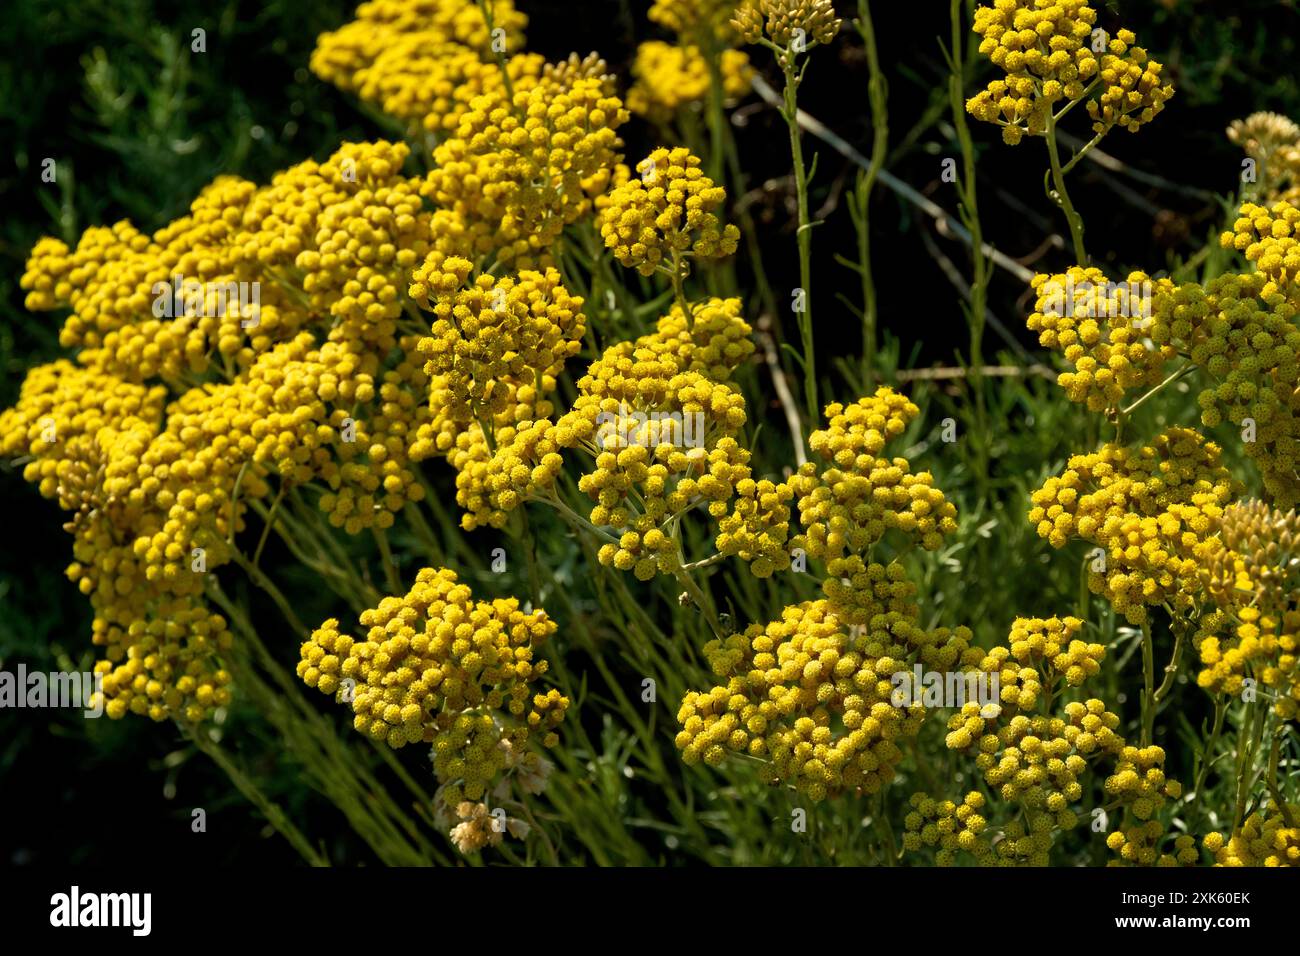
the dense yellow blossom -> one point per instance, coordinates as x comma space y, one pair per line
949, 826
490, 337
669, 77
519, 168
437, 667
1152, 510
1103, 329
848, 505
1255, 632
1046, 52
697, 21
667, 212
1267, 237
811, 696
790, 24
1034, 753
1268, 837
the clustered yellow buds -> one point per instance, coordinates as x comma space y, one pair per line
520, 168
667, 213
670, 77
160, 491
494, 336
1267, 237
1272, 143
423, 62
949, 827
793, 25
659, 418
1153, 511
1052, 54
849, 505
1255, 632
811, 696
1035, 757
437, 667
1104, 330
702, 22
1268, 837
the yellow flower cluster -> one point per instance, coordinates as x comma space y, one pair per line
666, 214
1104, 330
1046, 51
950, 827
1153, 511
1267, 237
758, 527
422, 61
1268, 837
495, 336
1139, 782
1139, 845
704, 22
847, 507
793, 25
1255, 633
669, 77
1273, 142
438, 667
1035, 758
660, 418
521, 167
811, 695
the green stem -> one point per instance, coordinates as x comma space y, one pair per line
1062, 196
1148, 684
803, 237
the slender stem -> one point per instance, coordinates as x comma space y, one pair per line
803, 237
877, 91
1168, 381
969, 211
486, 7
386, 556
1087, 147
1148, 684
1203, 765
699, 598
1246, 762
268, 522
1062, 196
270, 809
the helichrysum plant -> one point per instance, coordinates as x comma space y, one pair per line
509, 413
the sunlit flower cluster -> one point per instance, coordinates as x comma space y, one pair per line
668, 213
1050, 56
1103, 330
1268, 837
1152, 511
1255, 633
811, 695
437, 667
671, 77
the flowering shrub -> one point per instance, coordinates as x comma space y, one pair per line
434, 384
